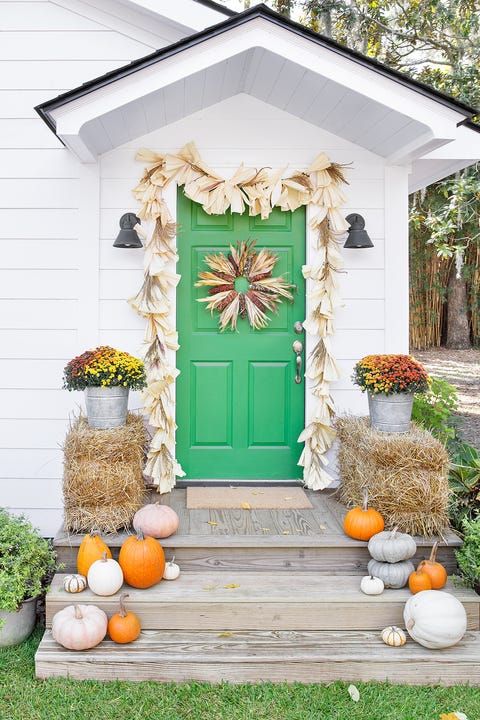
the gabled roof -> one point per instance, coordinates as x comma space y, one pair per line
237, 20
277, 60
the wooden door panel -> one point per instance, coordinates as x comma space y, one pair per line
239, 410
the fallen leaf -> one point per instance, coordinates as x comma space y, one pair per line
246, 506
210, 587
353, 692
266, 529
322, 527
226, 633
289, 497
286, 532
211, 522
231, 586
258, 492
453, 716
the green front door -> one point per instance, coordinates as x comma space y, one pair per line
239, 410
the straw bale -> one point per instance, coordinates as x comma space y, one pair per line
103, 485
405, 474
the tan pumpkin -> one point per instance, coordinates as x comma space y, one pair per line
105, 576
156, 520
393, 636
79, 627
91, 549
74, 583
142, 560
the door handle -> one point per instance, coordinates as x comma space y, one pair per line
297, 349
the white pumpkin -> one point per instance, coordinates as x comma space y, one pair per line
105, 576
392, 546
172, 571
394, 636
435, 619
394, 575
79, 627
74, 583
371, 585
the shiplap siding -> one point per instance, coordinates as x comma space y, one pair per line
45, 49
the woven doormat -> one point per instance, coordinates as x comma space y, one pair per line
254, 498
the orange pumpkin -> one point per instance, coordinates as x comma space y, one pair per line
419, 580
361, 523
91, 549
142, 560
124, 627
434, 569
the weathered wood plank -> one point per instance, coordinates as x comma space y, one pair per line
277, 601
264, 656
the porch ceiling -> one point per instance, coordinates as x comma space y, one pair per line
265, 75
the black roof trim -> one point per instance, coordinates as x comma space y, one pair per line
237, 20
217, 6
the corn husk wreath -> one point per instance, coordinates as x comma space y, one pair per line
264, 292
260, 191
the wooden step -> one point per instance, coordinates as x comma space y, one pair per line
262, 540
273, 601
307, 657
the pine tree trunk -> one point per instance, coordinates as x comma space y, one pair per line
458, 330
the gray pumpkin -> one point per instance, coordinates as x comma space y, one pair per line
392, 546
394, 575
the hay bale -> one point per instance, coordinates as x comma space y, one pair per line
405, 474
103, 486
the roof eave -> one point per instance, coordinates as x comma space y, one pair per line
258, 11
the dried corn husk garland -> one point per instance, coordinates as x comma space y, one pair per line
259, 191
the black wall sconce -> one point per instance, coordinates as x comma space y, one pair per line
357, 235
127, 237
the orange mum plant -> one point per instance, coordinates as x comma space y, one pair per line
390, 374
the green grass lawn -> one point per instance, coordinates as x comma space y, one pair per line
23, 697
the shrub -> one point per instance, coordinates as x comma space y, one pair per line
433, 409
26, 559
468, 556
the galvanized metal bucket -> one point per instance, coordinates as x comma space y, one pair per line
106, 406
18, 626
390, 413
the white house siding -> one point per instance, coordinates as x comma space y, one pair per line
243, 129
45, 49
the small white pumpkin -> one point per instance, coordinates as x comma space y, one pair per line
435, 619
74, 583
392, 546
371, 585
394, 636
172, 571
105, 576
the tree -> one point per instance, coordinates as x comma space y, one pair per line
437, 42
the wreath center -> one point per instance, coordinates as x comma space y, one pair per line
241, 284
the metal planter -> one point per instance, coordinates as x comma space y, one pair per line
106, 406
390, 413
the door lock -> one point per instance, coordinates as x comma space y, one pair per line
297, 349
